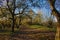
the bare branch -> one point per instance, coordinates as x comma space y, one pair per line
14, 5
52, 3
23, 10
8, 6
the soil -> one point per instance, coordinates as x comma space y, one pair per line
29, 34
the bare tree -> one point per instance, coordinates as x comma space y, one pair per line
12, 11
12, 5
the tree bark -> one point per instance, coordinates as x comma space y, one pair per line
57, 37
13, 23
13, 14
20, 20
57, 15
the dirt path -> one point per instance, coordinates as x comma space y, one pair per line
32, 35
29, 34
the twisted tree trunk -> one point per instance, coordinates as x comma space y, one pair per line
58, 30
57, 15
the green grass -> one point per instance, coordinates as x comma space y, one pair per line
35, 26
39, 27
43, 28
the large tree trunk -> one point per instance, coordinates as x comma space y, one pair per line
57, 34
57, 15
58, 30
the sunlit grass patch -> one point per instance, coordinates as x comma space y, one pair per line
6, 32
36, 26
43, 28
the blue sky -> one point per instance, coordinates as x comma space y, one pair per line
45, 7
46, 10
